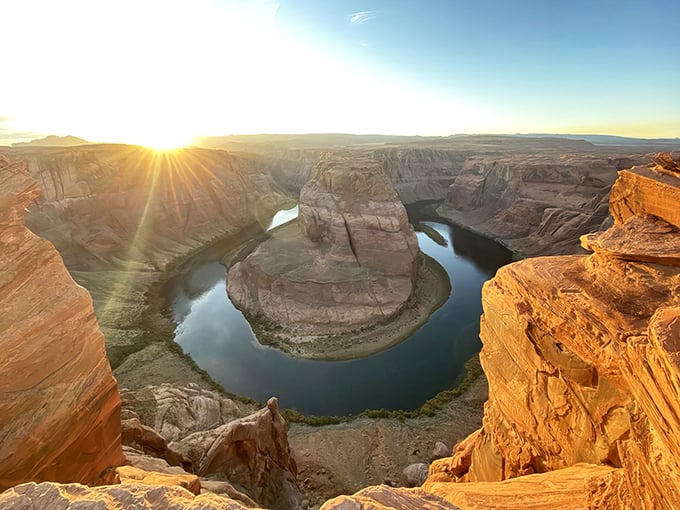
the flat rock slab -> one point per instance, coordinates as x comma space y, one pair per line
642, 238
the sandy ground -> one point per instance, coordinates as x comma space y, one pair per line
341, 459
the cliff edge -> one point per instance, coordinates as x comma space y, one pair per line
582, 355
59, 404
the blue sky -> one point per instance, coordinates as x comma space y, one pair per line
160, 72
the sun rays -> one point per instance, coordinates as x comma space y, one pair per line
165, 183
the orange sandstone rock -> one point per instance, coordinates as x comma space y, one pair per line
74, 496
383, 497
59, 405
582, 355
130, 474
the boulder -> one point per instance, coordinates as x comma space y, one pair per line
414, 475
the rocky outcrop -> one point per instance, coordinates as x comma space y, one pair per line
252, 452
581, 355
175, 411
131, 474
111, 497
579, 486
537, 203
387, 498
59, 405
215, 439
349, 262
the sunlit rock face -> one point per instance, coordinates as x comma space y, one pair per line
350, 260
105, 205
581, 354
59, 405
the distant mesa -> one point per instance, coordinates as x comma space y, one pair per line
53, 141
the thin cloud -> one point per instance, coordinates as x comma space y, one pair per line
359, 18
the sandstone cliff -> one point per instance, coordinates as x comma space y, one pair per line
350, 261
581, 354
217, 439
535, 195
106, 205
59, 405
534, 203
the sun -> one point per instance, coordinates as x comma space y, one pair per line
164, 141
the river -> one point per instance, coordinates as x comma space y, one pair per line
219, 339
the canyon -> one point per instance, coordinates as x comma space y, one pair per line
576, 418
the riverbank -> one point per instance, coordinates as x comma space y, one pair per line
343, 458
432, 289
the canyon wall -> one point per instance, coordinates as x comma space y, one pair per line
109, 205
581, 355
121, 216
535, 204
59, 404
535, 195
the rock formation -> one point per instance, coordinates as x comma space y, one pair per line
388, 498
178, 411
208, 432
252, 452
105, 205
120, 216
111, 497
59, 405
536, 203
581, 354
349, 262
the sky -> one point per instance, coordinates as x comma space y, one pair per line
159, 72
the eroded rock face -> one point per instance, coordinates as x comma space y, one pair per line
104, 204
383, 497
209, 435
534, 203
252, 452
59, 405
581, 354
350, 261
178, 411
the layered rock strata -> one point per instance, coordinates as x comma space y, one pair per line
121, 216
581, 354
59, 405
534, 203
216, 439
350, 260
106, 205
